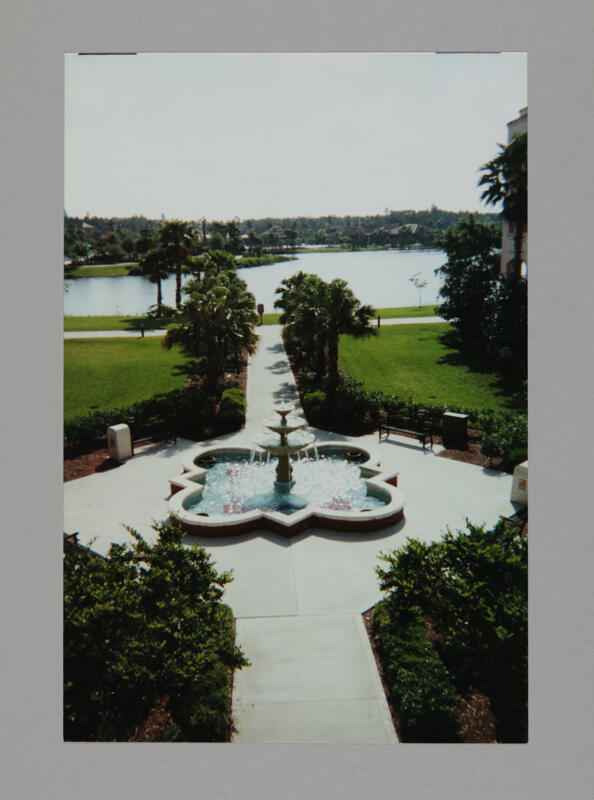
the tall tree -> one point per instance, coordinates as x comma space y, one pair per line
254, 243
176, 240
215, 322
506, 179
154, 266
219, 260
316, 313
145, 241
469, 284
301, 296
344, 314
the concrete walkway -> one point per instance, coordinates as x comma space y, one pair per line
159, 332
111, 334
298, 602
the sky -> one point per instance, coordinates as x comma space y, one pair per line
224, 136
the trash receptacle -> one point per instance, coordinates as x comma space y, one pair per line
519, 492
454, 430
119, 442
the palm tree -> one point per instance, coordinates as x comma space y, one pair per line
154, 267
344, 314
316, 313
506, 179
176, 239
217, 321
302, 301
219, 260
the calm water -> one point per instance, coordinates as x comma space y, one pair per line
380, 278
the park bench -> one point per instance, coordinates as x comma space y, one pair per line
422, 431
158, 433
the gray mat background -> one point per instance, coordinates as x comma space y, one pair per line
34, 762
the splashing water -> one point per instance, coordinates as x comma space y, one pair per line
327, 481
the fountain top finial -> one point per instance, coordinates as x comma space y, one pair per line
283, 411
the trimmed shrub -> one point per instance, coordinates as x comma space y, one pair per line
353, 405
142, 625
186, 410
232, 409
508, 440
472, 586
314, 406
490, 448
516, 456
419, 684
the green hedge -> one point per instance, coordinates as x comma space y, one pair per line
472, 586
419, 685
232, 409
353, 405
187, 411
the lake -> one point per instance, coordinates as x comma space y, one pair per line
380, 278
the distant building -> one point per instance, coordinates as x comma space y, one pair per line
516, 127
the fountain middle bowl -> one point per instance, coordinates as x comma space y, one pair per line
296, 440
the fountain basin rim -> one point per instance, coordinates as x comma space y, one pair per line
378, 481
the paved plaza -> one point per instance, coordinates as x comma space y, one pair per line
298, 602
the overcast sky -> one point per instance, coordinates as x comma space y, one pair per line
274, 135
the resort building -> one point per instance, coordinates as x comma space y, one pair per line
516, 127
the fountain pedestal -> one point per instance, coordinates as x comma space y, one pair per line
282, 496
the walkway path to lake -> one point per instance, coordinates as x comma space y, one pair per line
313, 676
298, 602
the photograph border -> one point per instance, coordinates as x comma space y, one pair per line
556, 761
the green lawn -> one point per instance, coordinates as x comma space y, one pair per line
404, 360
97, 323
385, 313
108, 373
117, 323
406, 311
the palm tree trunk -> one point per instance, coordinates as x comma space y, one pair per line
518, 240
332, 364
178, 286
320, 358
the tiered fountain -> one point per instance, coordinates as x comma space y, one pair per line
217, 494
287, 441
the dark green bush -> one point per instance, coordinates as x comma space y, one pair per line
490, 448
472, 585
418, 682
187, 411
146, 624
516, 456
232, 409
314, 406
353, 405
508, 440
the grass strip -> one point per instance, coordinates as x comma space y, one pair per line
102, 271
118, 323
113, 323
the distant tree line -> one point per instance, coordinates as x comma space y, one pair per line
101, 240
